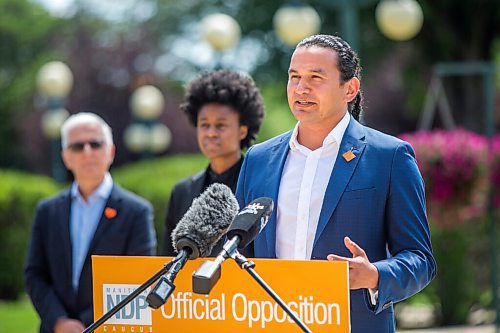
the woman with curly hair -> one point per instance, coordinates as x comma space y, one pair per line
227, 110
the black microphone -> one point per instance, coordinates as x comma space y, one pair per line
205, 222
243, 230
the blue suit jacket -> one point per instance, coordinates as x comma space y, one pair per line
377, 199
48, 265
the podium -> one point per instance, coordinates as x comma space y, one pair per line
317, 291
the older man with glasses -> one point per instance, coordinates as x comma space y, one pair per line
94, 217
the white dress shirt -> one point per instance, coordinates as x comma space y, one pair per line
302, 189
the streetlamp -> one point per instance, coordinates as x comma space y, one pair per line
146, 135
397, 19
221, 31
54, 82
293, 23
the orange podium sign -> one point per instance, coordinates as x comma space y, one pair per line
317, 291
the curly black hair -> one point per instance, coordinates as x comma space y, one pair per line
229, 88
348, 64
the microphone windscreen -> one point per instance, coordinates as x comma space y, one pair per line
250, 221
206, 221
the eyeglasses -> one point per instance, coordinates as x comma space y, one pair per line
79, 146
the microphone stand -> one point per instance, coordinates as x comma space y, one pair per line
165, 286
130, 297
248, 265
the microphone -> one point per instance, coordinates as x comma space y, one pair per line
203, 225
243, 230
250, 221
206, 221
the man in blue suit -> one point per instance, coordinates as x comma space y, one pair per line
343, 191
94, 217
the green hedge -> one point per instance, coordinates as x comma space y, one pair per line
154, 179
20, 192
19, 195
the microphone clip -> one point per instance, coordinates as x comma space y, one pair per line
165, 285
207, 275
242, 261
160, 293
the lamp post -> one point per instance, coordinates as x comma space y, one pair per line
54, 82
146, 135
293, 23
397, 19
222, 32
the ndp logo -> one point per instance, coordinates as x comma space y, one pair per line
136, 312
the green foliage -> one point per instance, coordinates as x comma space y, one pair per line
462, 265
496, 61
18, 317
451, 252
463, 275
278, 118
26, 36
19, 195
418, 87
154, 179
449, 34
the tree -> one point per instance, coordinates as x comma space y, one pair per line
27, 36
460, 32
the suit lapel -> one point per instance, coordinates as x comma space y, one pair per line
342, 173
113, 203
197, 184
275, 166
63, 218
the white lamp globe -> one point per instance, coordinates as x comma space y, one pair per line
147, 102
136, 138
52, 122
54, 79
221, 31
294, 23
160, 137
399, 20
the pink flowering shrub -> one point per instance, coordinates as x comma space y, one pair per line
455, 168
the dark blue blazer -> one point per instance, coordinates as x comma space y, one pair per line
49, 261
182, 196
377, 199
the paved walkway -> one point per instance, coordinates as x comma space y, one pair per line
455, 329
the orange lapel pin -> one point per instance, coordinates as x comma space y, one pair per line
110, 213
348, 155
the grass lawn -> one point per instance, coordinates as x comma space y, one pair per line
18, 317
